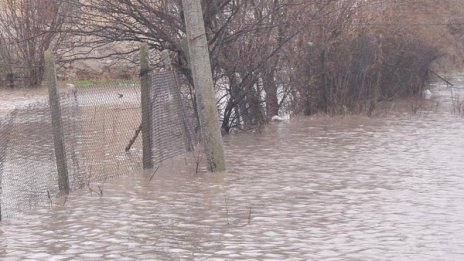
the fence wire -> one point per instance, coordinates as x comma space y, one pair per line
174, 122
98, 123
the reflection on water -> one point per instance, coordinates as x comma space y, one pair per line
351, 188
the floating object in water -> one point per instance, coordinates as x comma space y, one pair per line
427, 94
277, 118
120, 95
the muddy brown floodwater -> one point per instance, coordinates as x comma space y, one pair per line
347, 188
10, 99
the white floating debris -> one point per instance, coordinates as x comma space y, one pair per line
280, 118
427, 94
277, 118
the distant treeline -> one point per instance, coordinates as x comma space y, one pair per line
268, 56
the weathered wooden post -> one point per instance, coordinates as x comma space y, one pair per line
203, 81
147, 131
57, 123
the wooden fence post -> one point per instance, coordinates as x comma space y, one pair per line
147, 114
57, 123
204, 86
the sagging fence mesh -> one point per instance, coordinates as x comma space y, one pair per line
172, 106
99, 123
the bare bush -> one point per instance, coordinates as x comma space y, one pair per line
268, 56
26, 32
358, 57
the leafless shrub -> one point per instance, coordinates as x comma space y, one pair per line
364, 70
27, 30
332, 56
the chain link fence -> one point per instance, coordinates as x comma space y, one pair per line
101, 125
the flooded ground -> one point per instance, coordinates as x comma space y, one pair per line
97, 125
11, 99
347, 188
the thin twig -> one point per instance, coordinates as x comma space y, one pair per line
197, 161
100, 188
49, 197
132, 141
249, 216
227, 208
154, 173
65, 200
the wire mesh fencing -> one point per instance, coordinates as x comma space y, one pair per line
175, 127
101, 127
5, 126
102, 121
28, 165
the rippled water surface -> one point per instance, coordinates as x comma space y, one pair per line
348, 188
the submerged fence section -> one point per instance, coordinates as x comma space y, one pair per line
101, 127
28, 164
5, 126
